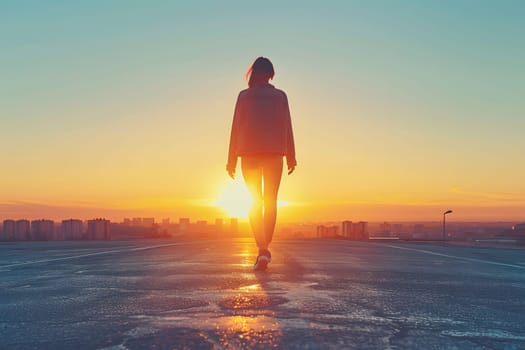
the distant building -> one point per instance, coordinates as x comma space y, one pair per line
385, 229
136, 221
165, 227
361, 230
327, 231
148, 222
184, 225
23, 230
8, 230
351, 230
98, 229
72, 229
347, 229
397, 229
43, 230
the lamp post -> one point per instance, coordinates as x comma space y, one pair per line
444, 231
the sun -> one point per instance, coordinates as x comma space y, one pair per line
236, 201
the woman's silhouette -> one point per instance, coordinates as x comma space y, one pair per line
261, 135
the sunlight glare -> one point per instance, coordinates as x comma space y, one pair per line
235, 200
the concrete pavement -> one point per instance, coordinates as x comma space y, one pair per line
317, 294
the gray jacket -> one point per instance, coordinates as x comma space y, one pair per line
261, 125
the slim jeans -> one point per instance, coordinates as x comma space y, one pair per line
262, 175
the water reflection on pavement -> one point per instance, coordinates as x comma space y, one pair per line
234, 318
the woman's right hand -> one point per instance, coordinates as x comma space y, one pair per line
231, 171
291, 169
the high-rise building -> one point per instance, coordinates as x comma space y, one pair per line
136, 221
98, 229
72, 229
385, 229
8, 230
327, 231
23, 230
361, 230
348, 229
148, 222
43, 230
355, 230
184, 225
320, 231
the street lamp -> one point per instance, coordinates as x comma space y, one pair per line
444, 232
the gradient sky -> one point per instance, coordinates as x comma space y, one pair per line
401, 109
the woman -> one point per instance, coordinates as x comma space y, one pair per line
261, 135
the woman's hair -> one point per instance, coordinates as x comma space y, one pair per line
260, 71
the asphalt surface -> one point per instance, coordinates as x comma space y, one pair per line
317, 294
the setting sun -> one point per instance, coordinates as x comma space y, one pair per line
235, 200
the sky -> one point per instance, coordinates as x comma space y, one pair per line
401, 109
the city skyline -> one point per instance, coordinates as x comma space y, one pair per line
12, 230
401, 110
148, 221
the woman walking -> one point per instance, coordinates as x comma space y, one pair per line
261, 135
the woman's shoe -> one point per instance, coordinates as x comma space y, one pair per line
263, 259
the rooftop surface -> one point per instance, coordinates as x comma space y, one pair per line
316, 294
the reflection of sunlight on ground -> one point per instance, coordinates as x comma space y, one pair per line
247, 254
247, 257
248, 332
251, 287
241, 316
252, 324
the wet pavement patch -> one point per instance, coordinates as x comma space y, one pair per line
250, 339
154, 303
252, 301
181, 338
